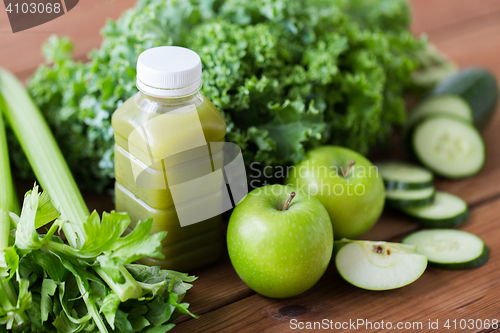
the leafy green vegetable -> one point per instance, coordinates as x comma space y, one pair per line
27, 237
71, 273
287, 75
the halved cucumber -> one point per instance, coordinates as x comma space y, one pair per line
449, 146
410, 198
446, 104
397, 175
446, 211
379, 265
450, 249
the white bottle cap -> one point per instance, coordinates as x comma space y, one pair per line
168, 71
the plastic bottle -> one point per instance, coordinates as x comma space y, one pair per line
161, 136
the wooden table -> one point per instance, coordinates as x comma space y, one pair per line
469, 32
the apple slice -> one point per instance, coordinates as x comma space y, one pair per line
379, 265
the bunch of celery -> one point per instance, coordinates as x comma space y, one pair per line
89, 285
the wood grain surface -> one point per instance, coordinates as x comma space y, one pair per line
469, 33
438, 294
20, 52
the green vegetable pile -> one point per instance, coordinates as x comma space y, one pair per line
287, 75
60, 289
90, 284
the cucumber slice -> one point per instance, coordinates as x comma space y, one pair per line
446, 211
410, 198
450, 249
446, 104
379, 265
449, 146
402, 176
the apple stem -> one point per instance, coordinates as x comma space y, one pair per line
288, 201
348, 168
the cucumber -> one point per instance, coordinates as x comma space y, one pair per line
410, 198
449, 146
478, 87
446, 211
445, 104
449, 248
397, 175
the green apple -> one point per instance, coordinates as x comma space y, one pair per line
280, 240
353, 194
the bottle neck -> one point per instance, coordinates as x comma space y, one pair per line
164, 104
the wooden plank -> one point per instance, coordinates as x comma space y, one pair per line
21, 51
432, 15
472, 44
433, 297
216, 286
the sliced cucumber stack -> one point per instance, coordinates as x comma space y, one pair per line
443, 104
379, 265
449, 146
410, 198
401, 176
450, 249
446, 211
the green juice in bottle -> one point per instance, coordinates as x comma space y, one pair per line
162, 150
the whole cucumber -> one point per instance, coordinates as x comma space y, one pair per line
478, 86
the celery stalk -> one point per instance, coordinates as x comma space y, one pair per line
7, 190
8, 297
52, 172
91, 306
44, 155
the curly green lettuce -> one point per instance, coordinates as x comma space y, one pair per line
286, 75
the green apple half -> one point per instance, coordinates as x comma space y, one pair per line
279, 253
379, 265
353, 196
